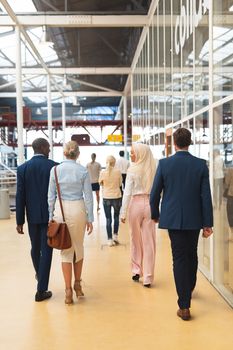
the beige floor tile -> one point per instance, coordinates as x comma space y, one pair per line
116, 312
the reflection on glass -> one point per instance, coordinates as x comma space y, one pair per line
202, 136
223, 48
223, 197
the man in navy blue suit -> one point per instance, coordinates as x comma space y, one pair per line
186, 208
32, 190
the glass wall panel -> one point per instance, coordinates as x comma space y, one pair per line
223, 48
141, 79
161, 58
176, 57
173, 70
156, 76
223, 197
202, 139
145, 91
187, 65
201, 44
168, 63
151, 83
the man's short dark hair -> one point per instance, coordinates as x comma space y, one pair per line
182, 138
121, 153
39, 145
93, 157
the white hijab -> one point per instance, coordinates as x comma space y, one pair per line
144, 165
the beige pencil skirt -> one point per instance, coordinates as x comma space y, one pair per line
76, 219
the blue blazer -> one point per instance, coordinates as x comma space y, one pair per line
186, 204
32, 190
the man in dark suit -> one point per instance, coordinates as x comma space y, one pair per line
186, 208
32, 190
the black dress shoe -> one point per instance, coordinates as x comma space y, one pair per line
147, 285
136, 277
40, 296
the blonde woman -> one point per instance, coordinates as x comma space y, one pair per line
111, 180
139, 180
77, 200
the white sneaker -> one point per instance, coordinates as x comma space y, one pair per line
115, 239
111, 243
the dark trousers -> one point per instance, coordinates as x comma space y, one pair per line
108, 205
184, 252
123, 183
41, 254
230, 211
123, 179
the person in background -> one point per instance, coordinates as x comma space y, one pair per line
186, 208
31, 194
111, 180
218, 178
77, 200
136, 198
122, 164
94, 169
228, 194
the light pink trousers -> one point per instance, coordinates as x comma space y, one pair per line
142, 238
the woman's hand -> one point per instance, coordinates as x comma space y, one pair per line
207, 231
89, 228
123, 220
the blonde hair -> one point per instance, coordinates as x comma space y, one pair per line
110, 163
71, 150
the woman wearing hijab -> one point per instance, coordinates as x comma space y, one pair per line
110, 179
139, 181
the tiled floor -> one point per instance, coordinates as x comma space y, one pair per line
116, 312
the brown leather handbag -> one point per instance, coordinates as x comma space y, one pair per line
58, 232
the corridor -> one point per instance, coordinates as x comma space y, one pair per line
116, 312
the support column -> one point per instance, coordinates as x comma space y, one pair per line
19, 100
49, 116
125, 125
211, 126
63, 121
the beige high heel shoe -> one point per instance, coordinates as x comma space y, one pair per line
78, 288
69, 296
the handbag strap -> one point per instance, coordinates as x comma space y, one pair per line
59, 193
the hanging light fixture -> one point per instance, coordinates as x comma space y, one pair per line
64, 83
75, 101
38, 111
44, 39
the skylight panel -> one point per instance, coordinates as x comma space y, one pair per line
21, 6
4, 30
4, 62
38, 100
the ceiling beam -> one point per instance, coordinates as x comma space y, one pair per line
116, 71
23, 31
88, 21
90, 84
69, 122
13, 82
79, 21
74, 70
65, 94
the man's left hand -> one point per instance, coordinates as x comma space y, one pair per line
19, 229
